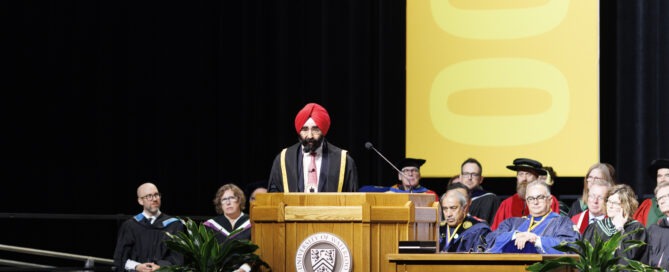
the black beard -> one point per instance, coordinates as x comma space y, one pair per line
310, 145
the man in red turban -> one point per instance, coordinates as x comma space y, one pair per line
313, 165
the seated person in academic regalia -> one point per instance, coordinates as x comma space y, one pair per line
596, 209
620, 204
484, 204
373, 189
598, 171
459, 232
410, 178
229, 203
648, 212
549, 178
537, 233
141, 240
528, 170
658, 234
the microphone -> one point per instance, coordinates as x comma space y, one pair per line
369, 146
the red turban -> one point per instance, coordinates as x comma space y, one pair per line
316, 112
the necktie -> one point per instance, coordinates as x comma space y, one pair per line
312, 181
147, 220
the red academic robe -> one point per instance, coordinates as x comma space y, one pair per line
644, 209
584, 221
514, 206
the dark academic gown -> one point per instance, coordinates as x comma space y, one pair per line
658, 244
514, 206
484, 204
470, 236
577, 207
143, 242
221, 225
648, 212
605, 229
552, 230
328, 180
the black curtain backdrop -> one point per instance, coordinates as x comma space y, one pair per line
100, 96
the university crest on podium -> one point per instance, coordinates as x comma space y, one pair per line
323, 252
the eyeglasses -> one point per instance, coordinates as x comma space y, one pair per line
531, 199
470, 175
613, 203
230, 199
593, 178
410, 170
596, 197
151, 196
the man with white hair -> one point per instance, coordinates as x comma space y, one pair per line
538, 232
596, 205
459, 232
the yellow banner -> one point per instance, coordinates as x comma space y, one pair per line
497, 80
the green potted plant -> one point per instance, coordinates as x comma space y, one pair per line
203, 253
597, 257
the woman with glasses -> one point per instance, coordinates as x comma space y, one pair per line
231, 223
620, 206
598, 171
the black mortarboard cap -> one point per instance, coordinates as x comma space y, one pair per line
410, 162
657, 164
524, 164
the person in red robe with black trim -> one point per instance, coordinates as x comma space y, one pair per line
527, 170
596, 210
648, 212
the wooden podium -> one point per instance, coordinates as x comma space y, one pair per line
369, 224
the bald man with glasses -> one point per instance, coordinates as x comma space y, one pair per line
141, 239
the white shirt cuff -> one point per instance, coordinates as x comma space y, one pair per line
245, 267
130, 264
537, 244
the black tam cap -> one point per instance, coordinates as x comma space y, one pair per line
656, 165
530, 165
410, 162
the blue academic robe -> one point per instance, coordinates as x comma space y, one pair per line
470, 237
553, 230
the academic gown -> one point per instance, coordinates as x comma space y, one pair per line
552, 230
221, 225
415, 190
328, 180
648, 212
581, 221
484, 204
577, 207
658, 244
514, 206
469, 237
143, 242
605, 229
